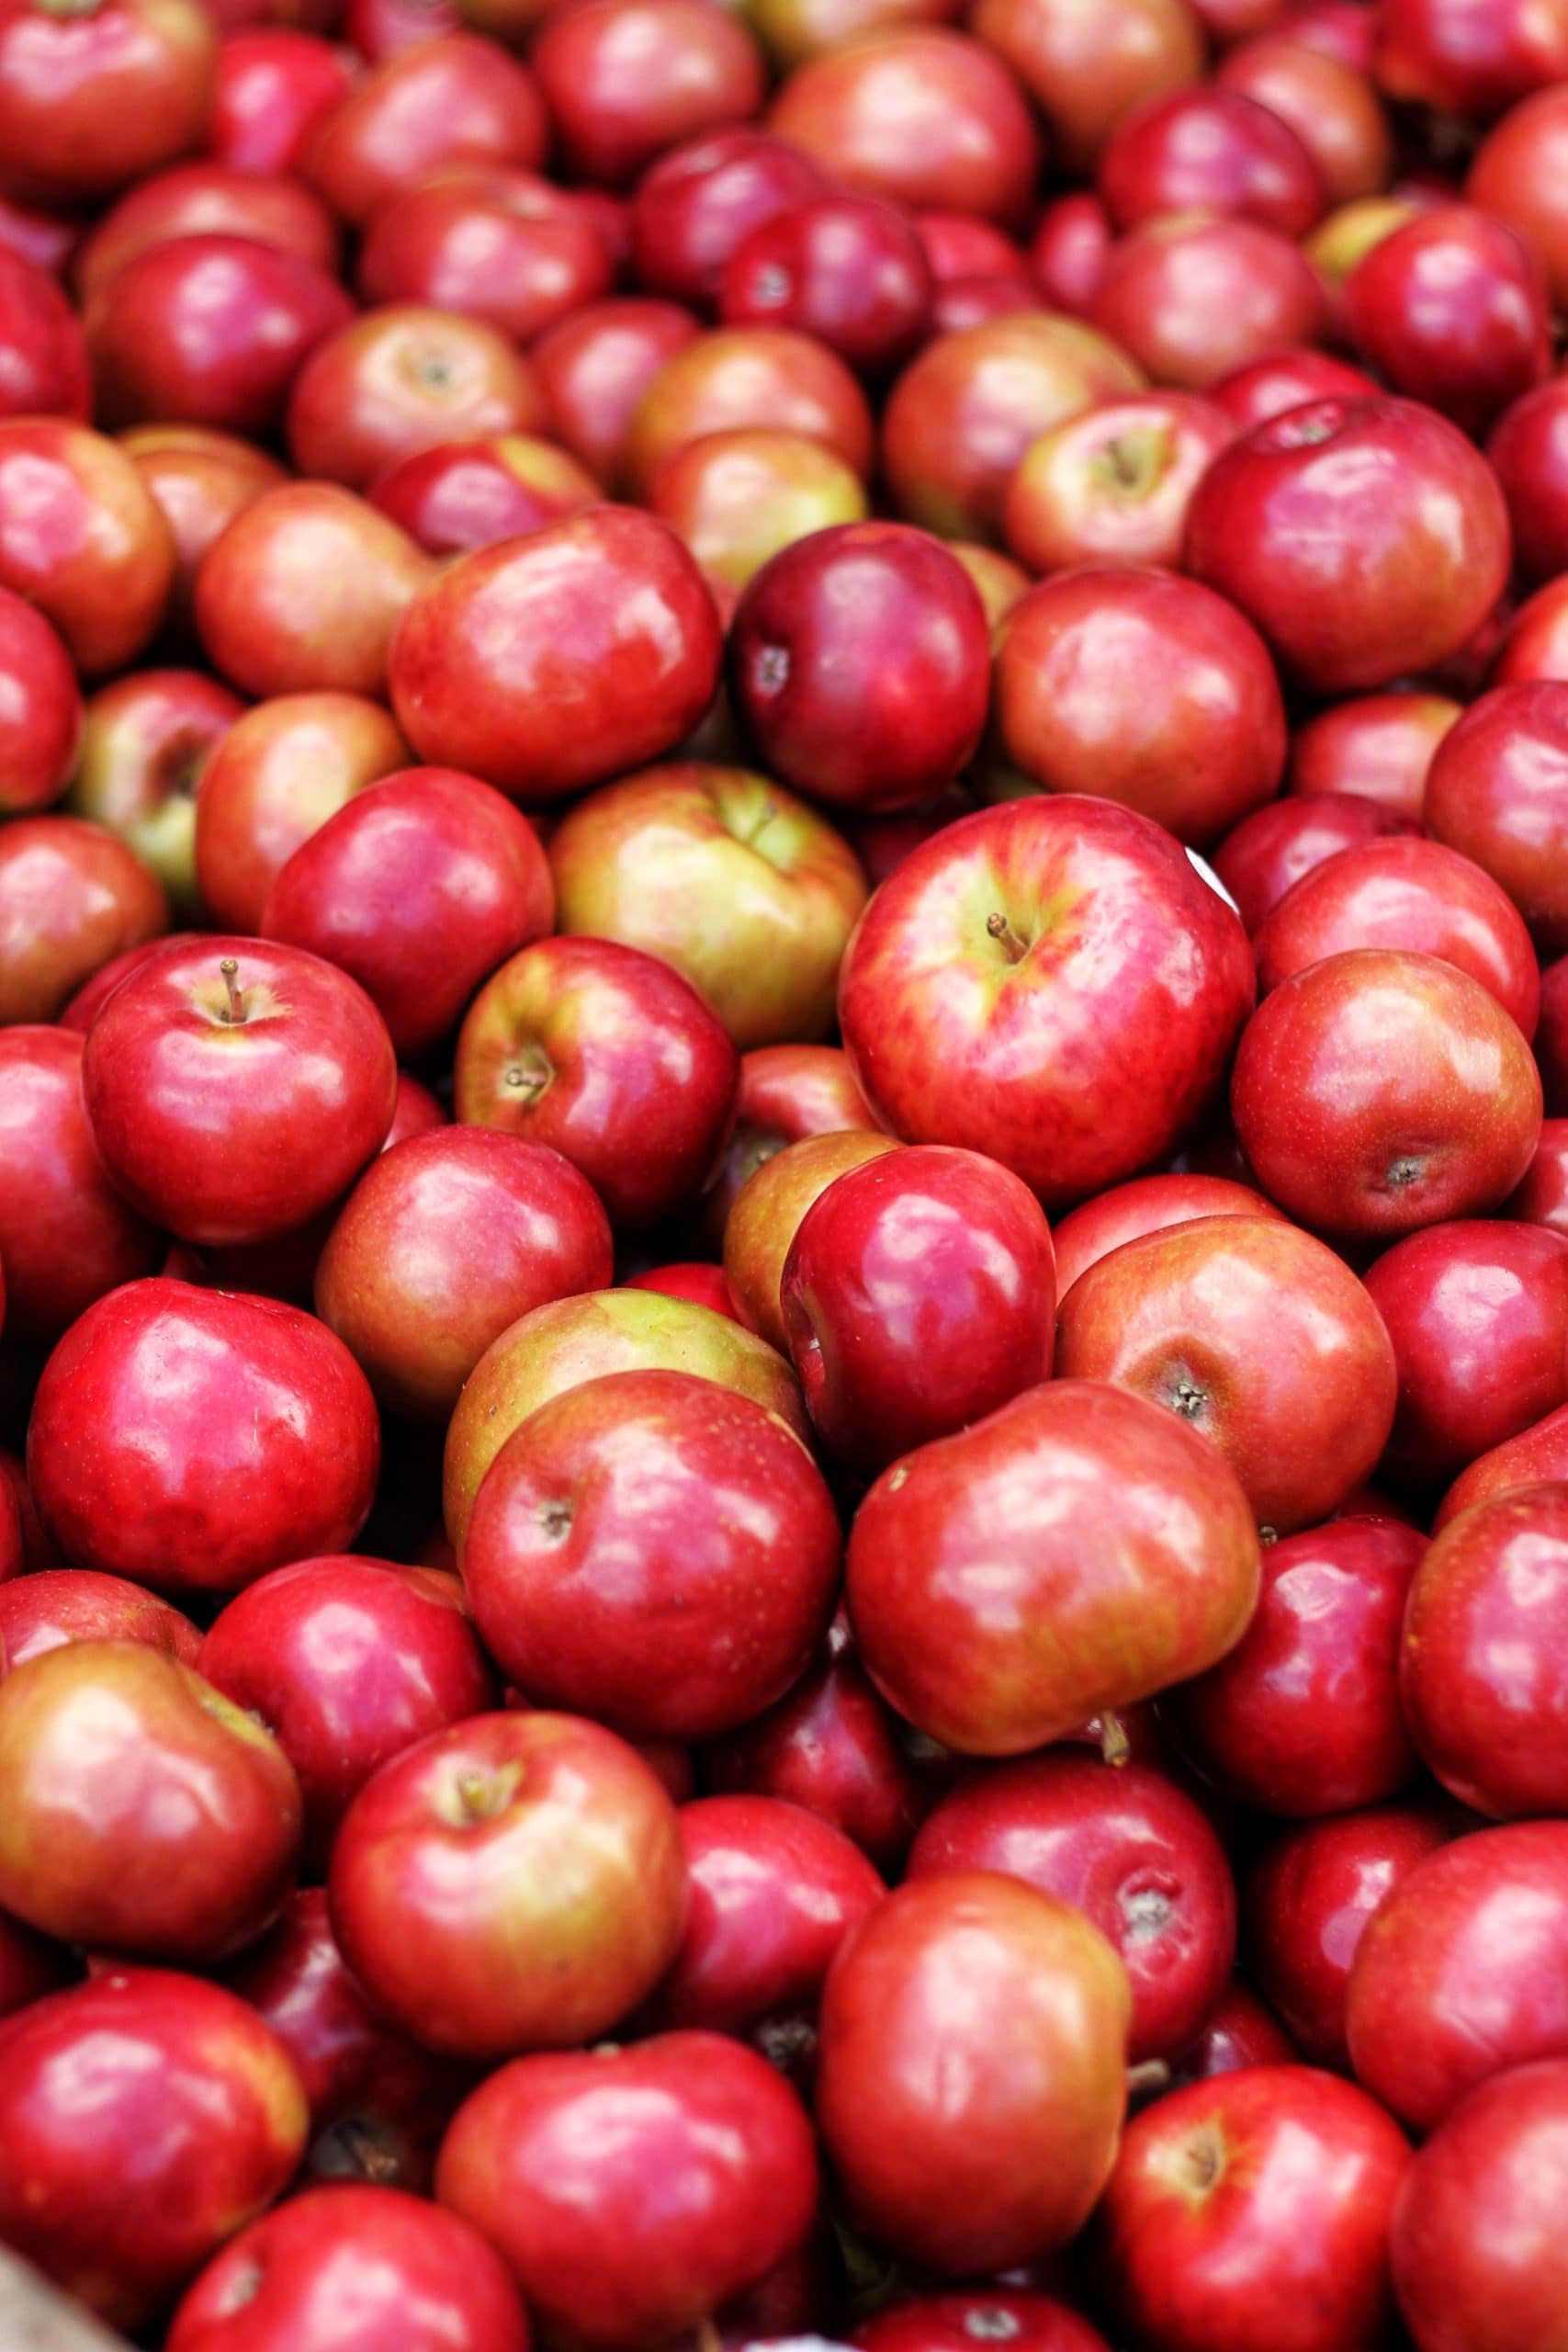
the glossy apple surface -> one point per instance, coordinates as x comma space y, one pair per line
1113, 485
1154, 1582
769, 1210
725, 1540
456, 99
1451, 309
986, 957
512, 1883
66, 1235
1146, 1204
401, 377
191, 1439
71, 896
52, 1607
853, 271
1497, 791
1260, 859
971, 2071
469, 493
40, 718
957, 2321
1211, 149
1192, 297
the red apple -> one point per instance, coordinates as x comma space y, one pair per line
595, 366
441, 1246
748, 379
918, 1295
1366, 538
456, 99
1499, 792
66, 1235
1470, 62
1113, 486
960, 2321
1086, 71
1264, 388
1327, 98
502, 246
701, 200
146, 740
1125, 1846
199, 480
533, 665
691, 1279
1451, 309
767, 1213
849, 270
1192, 299
632, 2191
1459, 1973
1210, 150
419, 887
81, 536
612, 1058
1089, 1607
196, 2122
1253, 2211
43, 356
72, 896
57, 1606
469, 493
786, 1092
1477, 2243
1239, 2032
40, 710
415, 2279
1380, 747
274, 85
1405, 894
1536, 1454
235, 1087
738, 498
1381, 1090
1147, 1204
1478, 1315
191, 1439
1069, 249
401, 380
86, 106
987, 958
1542, 1195
512, 1882
29, 1967
1304, 1716
626, 79
971, 2078
1260, 860
1528, 451
1515, 174
144, 1812
1260, 1339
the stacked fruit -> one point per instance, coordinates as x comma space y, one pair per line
784, 1173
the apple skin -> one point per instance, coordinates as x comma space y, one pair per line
1211, 149
691, 1279
971, 2072
1541, 1197
66, 1237
1273, 848
54, 1607
1383, 1089
41, 730
1477, 2243
918, 1295
456, 99
773, 1892
198, 480
419, 887
1498, 793
303, 591
1085, 73
72, 895
918, 115
1459, 1973
512, 1883
1113, 486
612, 1058
274, 84
1539, 1453
957, 2321
1528, 451
1141, 688
1450, 308
235, 1087
145, 1815
972, 404
1192, 297
1365, 538
1306, 1905
1475, 64
280, 772
632, 2191
748, 377
1377, 746
1324, 90
1412, 894
465, 494
403, 378
82, 538
1253, 2211
43, 356
859, 664
849, 270
834, 1748
1238, 2031
378, 2104
1304, 1716
1260, 388
721, 872
725, 1542
927, 987
557, 1348
1147, 1204
208, 330
145, 742
595, 366
1513, 178
786, 1092
769, 1209
265, 1449
1123, 1846
441, 1246
1262, 1339
1484, 1658
738, 498
414, 2278
701, 199
1478, 1315
347, 1662
625, 80
1105, 1604
196, 2123
533, 665
501, 246
83, 109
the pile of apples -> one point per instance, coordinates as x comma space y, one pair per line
784, 1173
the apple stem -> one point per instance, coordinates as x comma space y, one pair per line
230, 971
1115, 1748
372, 2159
1152, 2075
708, 2337
1002, 931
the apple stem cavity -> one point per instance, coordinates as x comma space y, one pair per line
234, 1013
1003, 932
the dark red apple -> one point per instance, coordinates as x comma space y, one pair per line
702, 199
274, 85
40, 710
456, 99
1528, 450
1260, 860
66, 1235
1239, 2032
595, 366
1497, 791
1263, 388
54, 1607
43, 356
626, 79
849, 270
1451, 309
768, 1212
469, 493
72, 896
1211, 149
1464, 61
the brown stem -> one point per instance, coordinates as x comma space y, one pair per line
236, 1007
1115, 1748
1003, 933
1152, 2074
